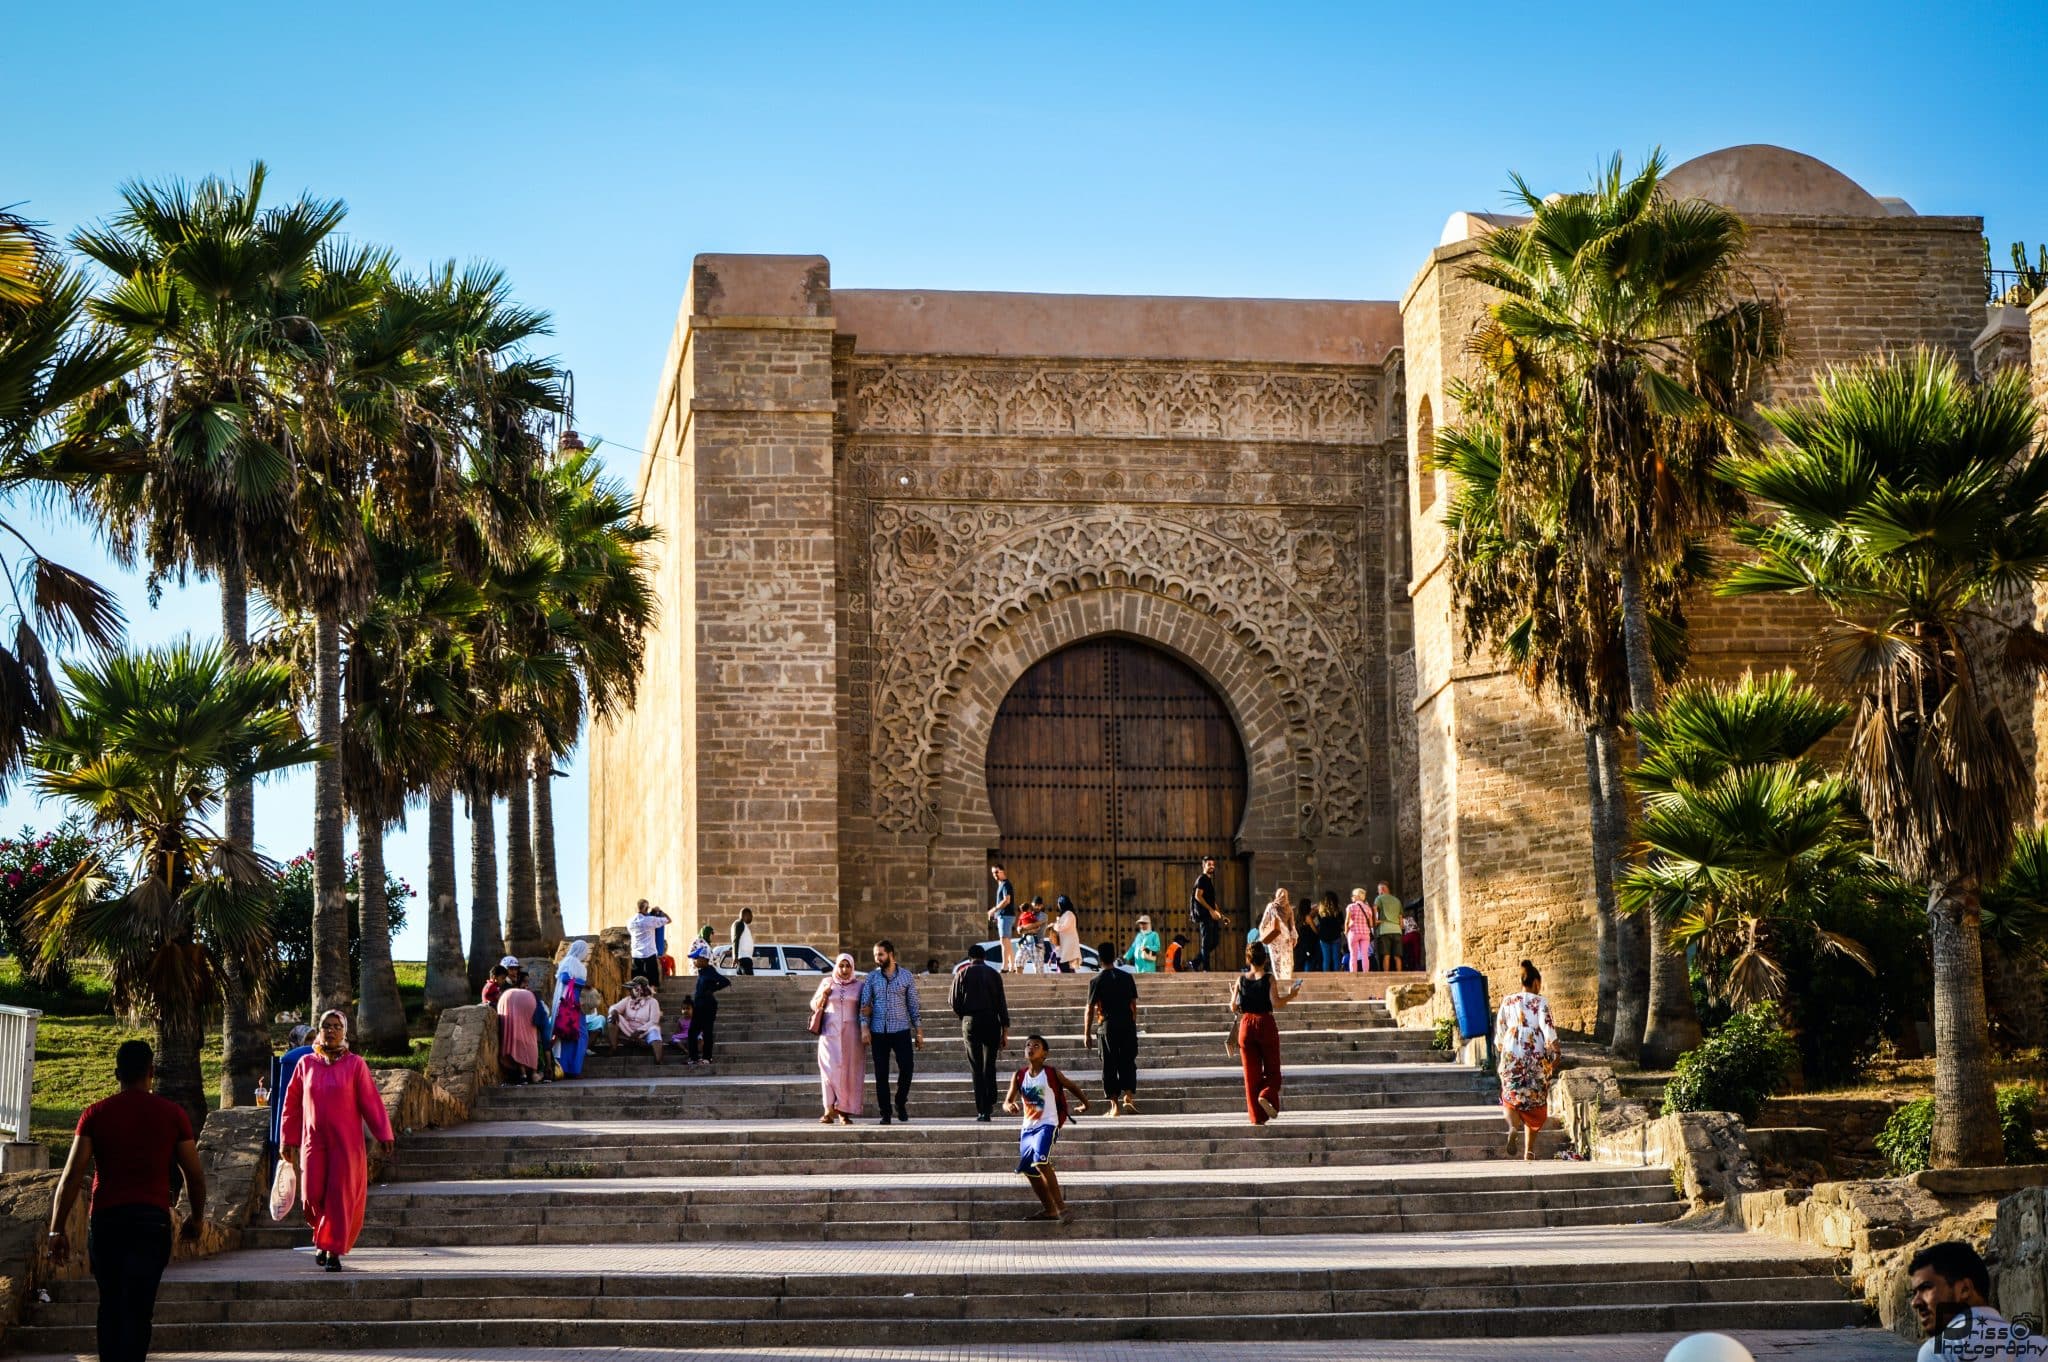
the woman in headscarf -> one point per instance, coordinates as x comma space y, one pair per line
518, 1042
331, 1098
842, 1063
1278, 935
572, 1041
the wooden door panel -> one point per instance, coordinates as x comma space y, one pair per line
1113, 766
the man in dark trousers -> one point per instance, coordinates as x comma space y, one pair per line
131, 1140
891, 1026
1111, 1022
984, 1024
1206, 917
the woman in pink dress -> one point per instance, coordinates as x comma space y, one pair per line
518, 1042
842, 1063
331, 1098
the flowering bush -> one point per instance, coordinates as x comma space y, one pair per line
291, 925
29, 864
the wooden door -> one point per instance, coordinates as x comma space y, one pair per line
1112, 770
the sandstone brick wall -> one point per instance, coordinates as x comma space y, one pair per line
740, 476
1506, 846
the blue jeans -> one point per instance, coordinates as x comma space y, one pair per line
1333, 955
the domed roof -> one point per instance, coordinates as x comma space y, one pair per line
1760, 178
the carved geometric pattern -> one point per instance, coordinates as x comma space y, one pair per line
933, 613
1116, 401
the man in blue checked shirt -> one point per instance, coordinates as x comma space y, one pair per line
891, 1026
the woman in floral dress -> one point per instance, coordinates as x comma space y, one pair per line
1525, 1039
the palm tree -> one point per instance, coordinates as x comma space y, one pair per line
222, 292
1528, 591
403, 715
1914, 506
59, 432
145, 747
603, 604
447, 972
1754, 840
1620, 305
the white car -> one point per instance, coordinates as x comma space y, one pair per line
994, 951
777, 960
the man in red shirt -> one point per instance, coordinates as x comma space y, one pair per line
131, 1140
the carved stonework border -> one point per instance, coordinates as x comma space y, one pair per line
1114, 400
945, 579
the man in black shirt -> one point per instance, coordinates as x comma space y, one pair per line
984, 1024
1207, 918
1111, 1022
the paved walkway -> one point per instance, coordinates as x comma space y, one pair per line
1853, 1345
1619, 1244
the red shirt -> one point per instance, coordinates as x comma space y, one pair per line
135, 1137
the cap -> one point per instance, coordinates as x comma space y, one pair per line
510, 962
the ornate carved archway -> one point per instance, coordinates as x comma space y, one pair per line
955, 588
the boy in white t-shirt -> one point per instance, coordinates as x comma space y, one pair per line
1040, 1092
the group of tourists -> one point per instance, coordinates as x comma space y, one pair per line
1371, 932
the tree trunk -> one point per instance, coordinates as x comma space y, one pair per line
548, 887
1673, 1026
244, 1038
331, 984
1603, 888
380, 1015
1966, 1133
522, 911
486, 936
447, 974
1631, 946
180, 1033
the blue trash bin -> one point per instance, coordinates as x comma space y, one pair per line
1468, 1001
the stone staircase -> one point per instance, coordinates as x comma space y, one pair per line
705, 1207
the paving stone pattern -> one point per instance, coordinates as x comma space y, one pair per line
706, 1209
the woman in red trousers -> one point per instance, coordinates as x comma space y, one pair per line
1254, 1034
331, 1098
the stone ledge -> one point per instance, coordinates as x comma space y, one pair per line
1876, 1226
818, 406
762, 322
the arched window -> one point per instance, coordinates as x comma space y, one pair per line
1425, 454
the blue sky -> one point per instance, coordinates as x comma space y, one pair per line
1285, 150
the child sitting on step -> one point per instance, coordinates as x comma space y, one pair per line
1040, 1092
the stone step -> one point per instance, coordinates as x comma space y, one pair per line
1046, 1316
787, 1058
753, 1208
988, 1223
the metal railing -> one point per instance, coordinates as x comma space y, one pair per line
2011, 288
17, 1069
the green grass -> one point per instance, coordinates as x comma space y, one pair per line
78, 1034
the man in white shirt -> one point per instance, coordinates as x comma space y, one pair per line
646, 952
1952, 1300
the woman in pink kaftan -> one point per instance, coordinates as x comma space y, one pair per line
842, 1060
331, 1098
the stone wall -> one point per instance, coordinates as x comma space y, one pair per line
1506, 842
750, 732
